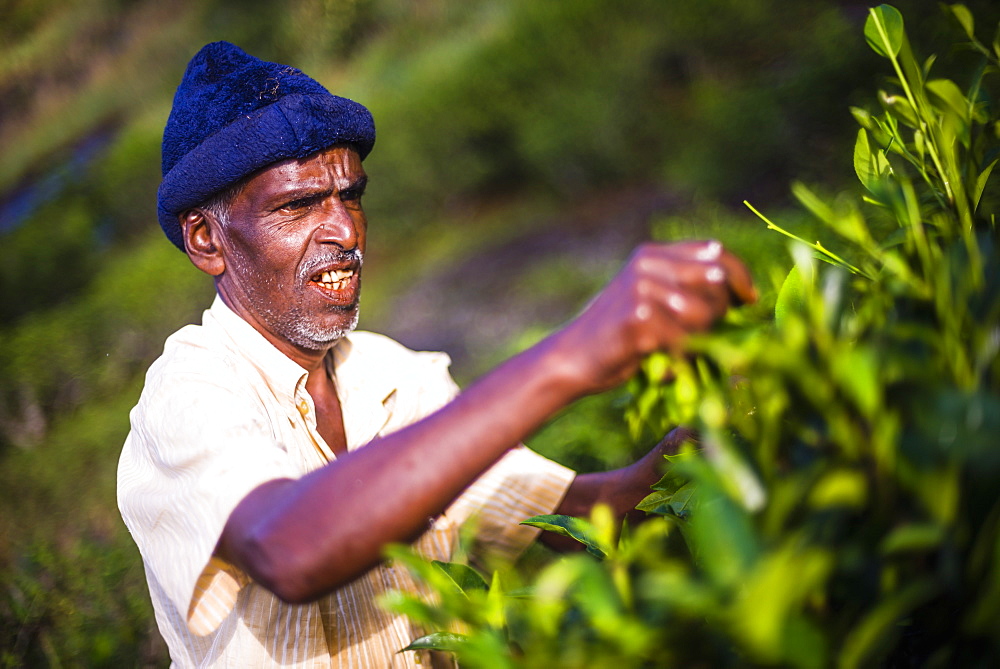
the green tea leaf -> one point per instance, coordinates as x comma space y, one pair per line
568, 526
463, 576
869, 164
803, 643
526, 592
981, 180
856, 371
919, 144
791, 297
913, 537
736, 476
493, 612
676, 503
848, 223
841, 487
657, 366
410, 606
928, 64
447, 641
964, 17
863, 117
721, 535
769, 598
948, 92
816, 206
900, 107
862, 159
884, 30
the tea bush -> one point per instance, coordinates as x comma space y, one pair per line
842, 506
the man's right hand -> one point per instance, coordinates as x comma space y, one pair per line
664, 293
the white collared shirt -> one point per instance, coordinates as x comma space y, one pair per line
222, 412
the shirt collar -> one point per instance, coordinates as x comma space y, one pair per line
281, 374
357, 370
366, 384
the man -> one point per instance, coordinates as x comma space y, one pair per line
274, 453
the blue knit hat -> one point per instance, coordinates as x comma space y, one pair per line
234, 114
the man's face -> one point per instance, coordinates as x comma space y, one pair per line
293, 250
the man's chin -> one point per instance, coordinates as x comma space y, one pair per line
319, 337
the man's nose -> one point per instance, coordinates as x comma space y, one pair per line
338, 227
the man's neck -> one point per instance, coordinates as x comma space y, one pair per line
329, 415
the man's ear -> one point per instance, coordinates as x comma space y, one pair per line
200, 232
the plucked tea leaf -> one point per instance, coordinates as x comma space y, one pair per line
568, 526
675, 503
447, 641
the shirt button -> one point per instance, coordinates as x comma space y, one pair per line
303, 407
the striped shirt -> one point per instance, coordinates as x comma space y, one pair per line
222, 412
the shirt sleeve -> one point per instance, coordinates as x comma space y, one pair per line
196, 449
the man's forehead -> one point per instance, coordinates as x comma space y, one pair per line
338, 156
341, 163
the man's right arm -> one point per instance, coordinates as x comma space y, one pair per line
303, 538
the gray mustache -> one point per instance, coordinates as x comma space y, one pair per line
352, 257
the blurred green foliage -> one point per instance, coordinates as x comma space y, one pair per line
842, 507
490, 115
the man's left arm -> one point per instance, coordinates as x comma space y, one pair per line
621, 489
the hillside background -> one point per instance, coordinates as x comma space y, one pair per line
523, 149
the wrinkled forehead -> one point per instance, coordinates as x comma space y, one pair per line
339, 165
336, 169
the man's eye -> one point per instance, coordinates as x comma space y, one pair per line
351, 194
301, 203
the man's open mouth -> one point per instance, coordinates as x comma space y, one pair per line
337, 279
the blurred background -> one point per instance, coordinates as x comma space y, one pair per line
524, 148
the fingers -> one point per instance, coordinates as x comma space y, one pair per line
693, 283
683, 309
738, 278
703, 266
677, 437
665, 293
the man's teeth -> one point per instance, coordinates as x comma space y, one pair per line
335, 280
